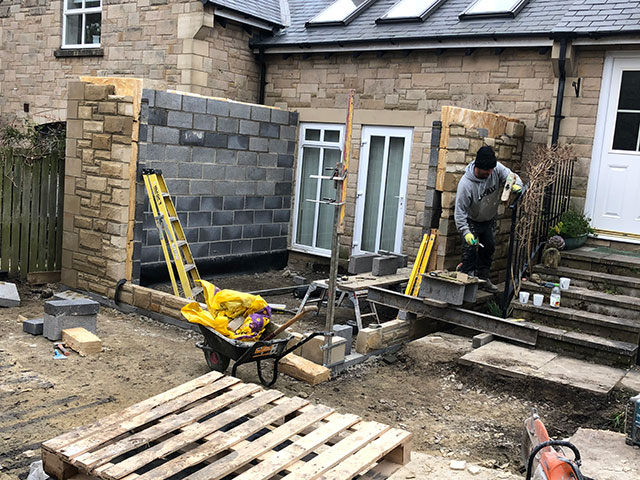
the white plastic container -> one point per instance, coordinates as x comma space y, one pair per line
538, 298
564, 283
524, 297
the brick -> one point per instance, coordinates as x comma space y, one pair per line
218, 107
346, 332
312, 350
180, 119
260, 113
192, 137
76, 306
194, 104
384, 265
34, 326
9, 296
240, 110
481, 339
280, 116
269, 130
168, 100
54, 325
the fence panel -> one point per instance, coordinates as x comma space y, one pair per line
31, 214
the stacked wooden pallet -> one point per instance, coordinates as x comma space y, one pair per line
218, 427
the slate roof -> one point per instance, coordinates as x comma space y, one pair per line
537, 18
266, 10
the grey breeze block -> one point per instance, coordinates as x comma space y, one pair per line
385, 265
9, 296
346, 332
34, 326
54, 325
361, 263
80, 306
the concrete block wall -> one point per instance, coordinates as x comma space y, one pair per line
229, 169
100, 132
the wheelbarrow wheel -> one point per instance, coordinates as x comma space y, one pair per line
216, 361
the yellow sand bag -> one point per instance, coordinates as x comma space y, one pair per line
225, 305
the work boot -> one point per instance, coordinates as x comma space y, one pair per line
488, 286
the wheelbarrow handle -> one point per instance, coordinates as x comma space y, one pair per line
291, 321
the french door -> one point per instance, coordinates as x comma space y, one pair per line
382, 189
320, 150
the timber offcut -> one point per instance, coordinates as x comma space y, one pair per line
217, 427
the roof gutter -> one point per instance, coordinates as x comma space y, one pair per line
408, 44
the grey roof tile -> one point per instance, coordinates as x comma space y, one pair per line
537, 17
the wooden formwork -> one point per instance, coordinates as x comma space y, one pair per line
217, 427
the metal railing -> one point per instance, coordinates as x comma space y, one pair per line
524, 247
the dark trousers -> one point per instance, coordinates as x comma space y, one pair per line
476, 260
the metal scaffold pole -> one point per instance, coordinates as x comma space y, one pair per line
340, 182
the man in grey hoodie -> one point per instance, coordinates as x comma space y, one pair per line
477, 199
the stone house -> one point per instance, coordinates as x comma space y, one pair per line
569, 71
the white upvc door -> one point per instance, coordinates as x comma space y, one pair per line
613, 199
382, 189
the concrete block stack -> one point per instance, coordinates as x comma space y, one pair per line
62, 314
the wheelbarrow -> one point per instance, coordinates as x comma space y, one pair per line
220, 350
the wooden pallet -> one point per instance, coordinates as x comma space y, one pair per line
217, 427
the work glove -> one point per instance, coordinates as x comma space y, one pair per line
470, 239
516, 188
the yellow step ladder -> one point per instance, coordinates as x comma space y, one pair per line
171, 234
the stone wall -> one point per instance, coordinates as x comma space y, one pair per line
400, 90
97, 189
169, 43
229, 169
463, 133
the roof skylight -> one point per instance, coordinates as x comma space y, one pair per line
339, 12
493, 8
407, 10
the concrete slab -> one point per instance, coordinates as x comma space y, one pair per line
631, 381
605, 455
428, 467
514, 361
9, 296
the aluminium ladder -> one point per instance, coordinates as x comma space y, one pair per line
171, 233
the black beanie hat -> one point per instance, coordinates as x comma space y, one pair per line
485, 158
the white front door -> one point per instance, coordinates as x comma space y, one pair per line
614, 195
382, 189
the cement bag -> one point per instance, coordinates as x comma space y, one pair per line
225, 305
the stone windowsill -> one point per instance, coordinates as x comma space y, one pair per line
78, 52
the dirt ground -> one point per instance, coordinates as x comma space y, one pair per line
454, 412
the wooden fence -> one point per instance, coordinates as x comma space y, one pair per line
31, 202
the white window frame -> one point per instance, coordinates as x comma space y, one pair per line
391, 17
512, 12
317, 21
301, 145
82, 11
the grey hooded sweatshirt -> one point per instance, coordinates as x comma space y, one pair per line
477, 199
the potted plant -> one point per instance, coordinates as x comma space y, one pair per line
93, 32
573, 227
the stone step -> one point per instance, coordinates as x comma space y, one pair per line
585, 346
580, 298
612, 328
603, 282
547, 367
605, 260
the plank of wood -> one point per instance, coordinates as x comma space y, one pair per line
56, 466
189, 435
65, 439
42, 224
93, 459
303, 369
143, 418
34, 217
15, 217
59, 214
237, 459
336, 423
25, 211
5, 212
339, 452
367, 457
220, 441
82, 341
40, 278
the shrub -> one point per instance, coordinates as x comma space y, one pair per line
572, 224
